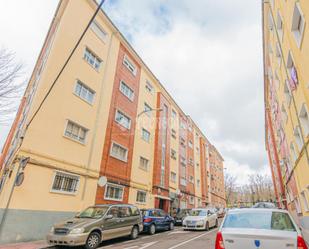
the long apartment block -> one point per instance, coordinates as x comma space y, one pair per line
107, 120
286, 83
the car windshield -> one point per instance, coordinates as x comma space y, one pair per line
198, 212
259, 220
93, 212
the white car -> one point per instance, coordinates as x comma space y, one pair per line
200, 219
252, 228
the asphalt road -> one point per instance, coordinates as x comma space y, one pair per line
178, 238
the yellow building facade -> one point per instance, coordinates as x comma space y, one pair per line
106, 131
286, 80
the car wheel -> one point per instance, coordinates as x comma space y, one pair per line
216, 223
171, 226
207, 226
93, 241
134, 233
152, 229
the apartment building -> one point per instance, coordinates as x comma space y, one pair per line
108, 132
286, 78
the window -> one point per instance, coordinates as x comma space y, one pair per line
284, 113
92, 59
174, 114
129, 65
270, 22
149, 87
99, 31
298, 138
190, 144
293, 153
191, 200
143, 163
298, 24
145, 135
198, 182
124, 211
173, 176
297, 205
147, 109
197, 165
191, 179
183, 161
119, 152
305, 201
190, 128
173, 154
64, 182
113, 192
173, 133
76, 132
191, 161
279, 25
84, 92
304, 119
141, 196
287, 93
183, 125
126, 90
278, 53
122, 119
183, 181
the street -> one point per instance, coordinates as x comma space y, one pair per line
178, 238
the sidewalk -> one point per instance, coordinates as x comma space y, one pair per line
26, 245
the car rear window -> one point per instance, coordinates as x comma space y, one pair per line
260, 220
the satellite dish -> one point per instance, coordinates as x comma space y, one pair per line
102, 181
19, 179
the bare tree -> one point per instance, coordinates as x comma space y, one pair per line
11, 86
230, 188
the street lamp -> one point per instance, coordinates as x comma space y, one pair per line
150, 110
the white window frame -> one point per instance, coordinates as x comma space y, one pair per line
140, 166
131, 98
305, 200
126, 116
83, 85
97, 59
115, 186
80, 127
129, 65
298, 138
141, 202
147, 109
62, 191
117, 157
148, 132
99, 31
172, 176
280, 25
149, 87
191, 200
304, 119
298, 33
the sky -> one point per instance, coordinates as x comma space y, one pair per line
207, 54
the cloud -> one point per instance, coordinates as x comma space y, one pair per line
209, 57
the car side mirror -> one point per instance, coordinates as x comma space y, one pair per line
109, 216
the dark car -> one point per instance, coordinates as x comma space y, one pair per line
264, 205
181, 214
96, 224
155, 220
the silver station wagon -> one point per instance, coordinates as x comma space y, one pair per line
96, 224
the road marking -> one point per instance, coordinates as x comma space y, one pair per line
143, 246
177, 232
194, 238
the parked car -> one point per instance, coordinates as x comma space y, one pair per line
155, 220
96, 224
181, 214
200, 219
264, 205
253, 228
